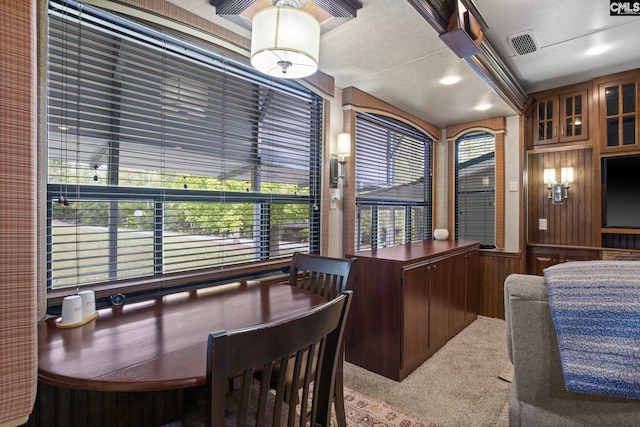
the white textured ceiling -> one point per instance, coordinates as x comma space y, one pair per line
563, 30
392, 53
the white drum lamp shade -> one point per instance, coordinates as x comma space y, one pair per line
285, 42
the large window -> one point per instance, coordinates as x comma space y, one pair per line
165, 157
393, 183
475, 188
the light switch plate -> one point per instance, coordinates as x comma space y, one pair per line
513, 186
542, 224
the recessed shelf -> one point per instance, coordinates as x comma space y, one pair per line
620, 230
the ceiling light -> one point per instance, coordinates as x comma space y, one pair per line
597, 50
450, 80
482, 107
285, 41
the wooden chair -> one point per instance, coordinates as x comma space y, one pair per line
327, 277
322, 275
317, 332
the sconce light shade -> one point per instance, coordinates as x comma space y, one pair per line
566, 175
285, 42
549, 177
343, 145
343, 150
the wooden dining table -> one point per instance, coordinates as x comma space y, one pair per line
159, 344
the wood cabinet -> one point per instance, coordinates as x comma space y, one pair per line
561, 118
619, 113
543, 257
439, 304
408, 301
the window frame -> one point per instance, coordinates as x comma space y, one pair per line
488, 192
497, 127
144, 287
391, 204
353, 101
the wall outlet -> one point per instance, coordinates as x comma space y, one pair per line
542, 224
513, 186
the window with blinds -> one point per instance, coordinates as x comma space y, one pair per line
164, 156
475, 164
393, 183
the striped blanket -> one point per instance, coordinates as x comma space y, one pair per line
595, 306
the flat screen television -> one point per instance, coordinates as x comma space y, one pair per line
621, 191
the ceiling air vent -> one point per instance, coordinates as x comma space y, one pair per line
523, 43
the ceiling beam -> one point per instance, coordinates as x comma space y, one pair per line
435, 12
231, 7
336, 8
487, 64
340, 8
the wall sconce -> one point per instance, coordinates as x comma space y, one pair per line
336, 170
558, 192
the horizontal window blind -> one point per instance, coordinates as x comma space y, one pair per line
475, 188
165, 156
393, 183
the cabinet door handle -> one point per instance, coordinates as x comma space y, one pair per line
555, 131
561, 130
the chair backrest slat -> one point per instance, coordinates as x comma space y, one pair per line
313, 334
321, 275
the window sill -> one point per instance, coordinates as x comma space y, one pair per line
136, 290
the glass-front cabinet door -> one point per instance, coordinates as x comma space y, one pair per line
574, 116
546, 121
619, 115
561, 118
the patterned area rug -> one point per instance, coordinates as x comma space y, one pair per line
365, 411
361, 411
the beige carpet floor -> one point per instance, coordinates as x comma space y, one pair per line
458, 386
364, 411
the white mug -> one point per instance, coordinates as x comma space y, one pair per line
72, 309
88, 303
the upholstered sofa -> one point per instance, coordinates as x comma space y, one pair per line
538, 396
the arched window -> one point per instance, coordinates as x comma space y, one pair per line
475, 187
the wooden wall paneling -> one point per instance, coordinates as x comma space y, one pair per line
571, 222
621, 240
585, 223
535, 194
62, 407
494, 269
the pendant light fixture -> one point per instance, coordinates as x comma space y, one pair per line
285, 41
